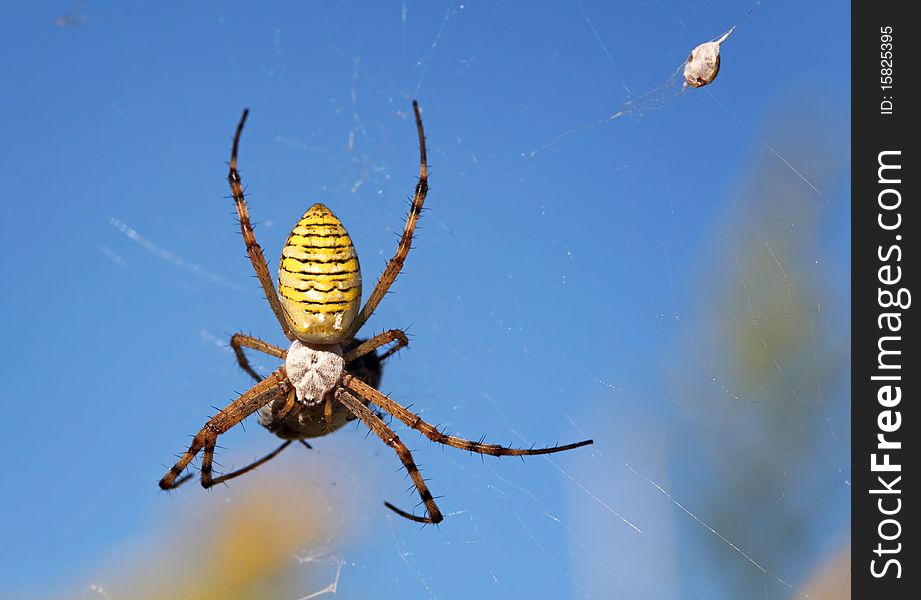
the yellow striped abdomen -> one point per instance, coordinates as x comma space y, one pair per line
319, 280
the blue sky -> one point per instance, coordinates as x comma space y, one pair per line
571, 278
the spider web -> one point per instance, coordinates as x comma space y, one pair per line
650, 504
605, 255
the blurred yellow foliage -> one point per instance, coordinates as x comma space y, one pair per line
264, 537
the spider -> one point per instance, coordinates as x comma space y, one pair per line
329, 376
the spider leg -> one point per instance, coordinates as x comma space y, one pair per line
269, 389
208, 457
289, 404
181, 480
378, 341
238, 341
431, 432
328, 412
391, 439
396, 263
252, 248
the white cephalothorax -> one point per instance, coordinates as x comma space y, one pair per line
314, 369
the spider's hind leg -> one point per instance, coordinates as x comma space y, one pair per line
238, 341
396, 263
382, 339
249, 238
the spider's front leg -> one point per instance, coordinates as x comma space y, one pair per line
414, 421
208, 458
390, 438
271, 388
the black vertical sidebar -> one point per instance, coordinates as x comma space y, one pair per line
885, 366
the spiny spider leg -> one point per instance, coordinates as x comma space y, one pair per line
208, 481
378, 341
181, 480
289, 404
208, 457
431, 432
252, 248
272, 387
328, 413
239, 340
396, 263
391, 439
